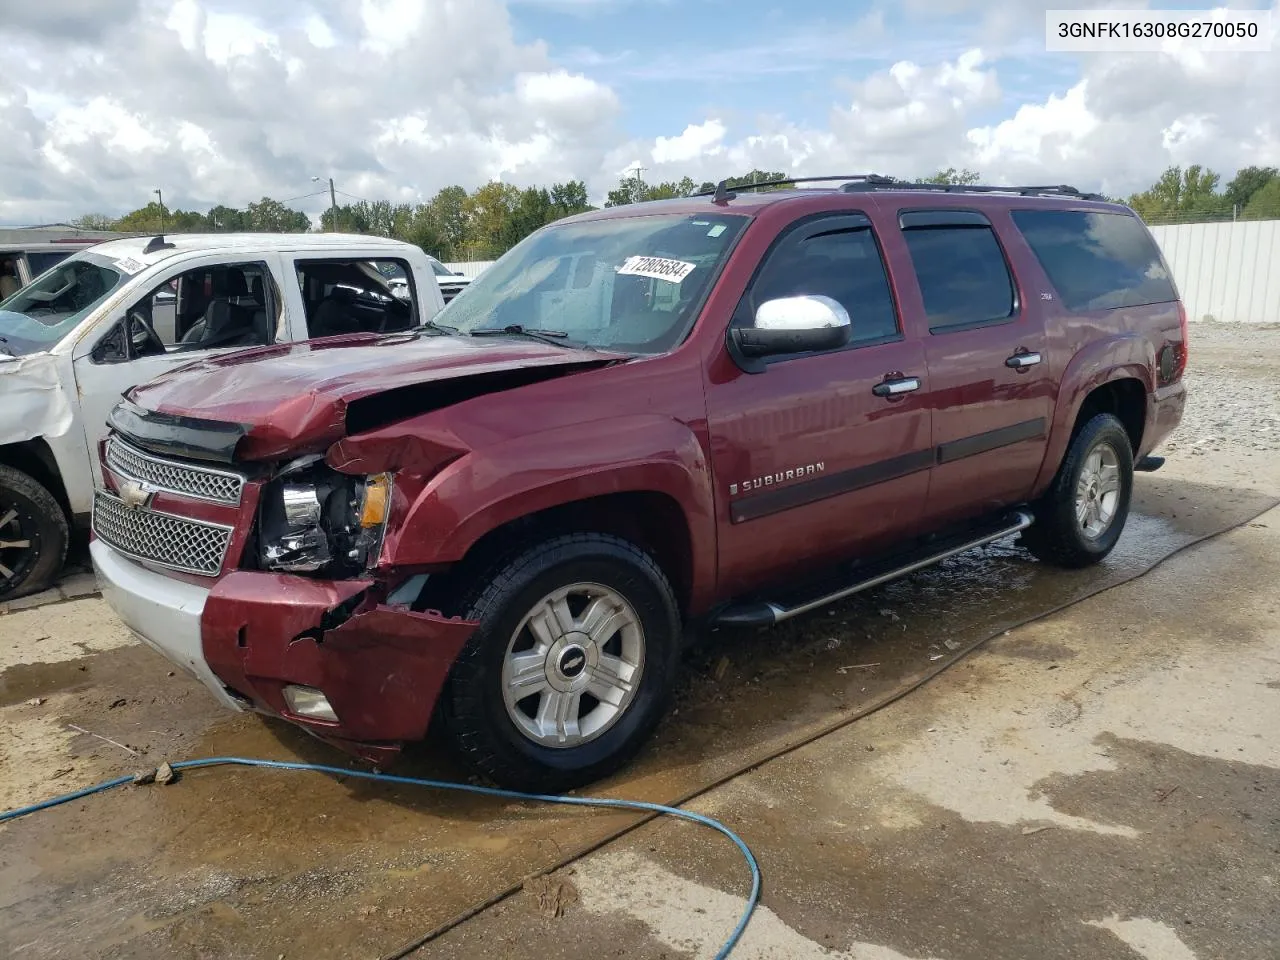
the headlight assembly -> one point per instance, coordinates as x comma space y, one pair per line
316, 520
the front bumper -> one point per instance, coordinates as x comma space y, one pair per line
251, 634
162, 612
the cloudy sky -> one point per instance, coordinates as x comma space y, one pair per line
224, 101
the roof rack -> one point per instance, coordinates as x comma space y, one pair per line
723, 192
865, 182
1050, 190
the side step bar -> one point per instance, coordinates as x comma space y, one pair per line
762, 613
1149, 464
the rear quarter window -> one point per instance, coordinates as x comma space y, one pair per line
1096, 261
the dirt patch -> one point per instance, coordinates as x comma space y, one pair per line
60, 633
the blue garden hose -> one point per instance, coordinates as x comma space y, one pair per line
752, 900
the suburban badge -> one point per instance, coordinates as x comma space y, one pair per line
776, 479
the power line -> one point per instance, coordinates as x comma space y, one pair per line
305, 196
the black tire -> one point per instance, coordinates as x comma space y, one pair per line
473, 708
39, 522
1058, 537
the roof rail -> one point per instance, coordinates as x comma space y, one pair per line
860, 182
724, 192
1052, 190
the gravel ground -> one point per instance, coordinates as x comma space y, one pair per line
1233, 385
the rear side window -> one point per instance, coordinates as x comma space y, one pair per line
356, 296
1096, 261
963, 276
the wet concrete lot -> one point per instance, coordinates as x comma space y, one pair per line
1101, 782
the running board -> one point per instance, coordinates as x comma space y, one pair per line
763, 613
1149, 464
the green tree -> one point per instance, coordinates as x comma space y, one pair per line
423, 229
488, 211
1179, 194
1247, 182
1265, 203
952, 176
635, 190
346, 218
531, 211
226, 219
94, 221
151, 218
446, 216
569, 198
272, 216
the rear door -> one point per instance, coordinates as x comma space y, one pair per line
990, 386
352, 293
817, 457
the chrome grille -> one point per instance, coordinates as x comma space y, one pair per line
193, 546
201, 483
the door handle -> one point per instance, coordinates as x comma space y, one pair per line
1020, 361
893, 388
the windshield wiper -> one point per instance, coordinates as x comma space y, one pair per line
546, 336
442, 327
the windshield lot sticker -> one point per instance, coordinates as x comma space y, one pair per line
657, 268
130, 265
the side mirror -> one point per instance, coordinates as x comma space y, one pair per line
792, 325
111, 348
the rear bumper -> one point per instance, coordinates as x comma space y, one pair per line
1164, 415
251, 634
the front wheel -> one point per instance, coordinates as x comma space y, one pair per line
33, 535
1080, 518
569, 670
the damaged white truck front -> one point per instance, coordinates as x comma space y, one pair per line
123, 312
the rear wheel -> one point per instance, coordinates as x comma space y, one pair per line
1083, 514
33, 535
569, 670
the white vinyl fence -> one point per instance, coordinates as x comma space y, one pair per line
472, 268
1229, 272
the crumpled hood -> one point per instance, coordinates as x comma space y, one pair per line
295, 398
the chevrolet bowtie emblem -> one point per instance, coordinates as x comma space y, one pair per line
135, 493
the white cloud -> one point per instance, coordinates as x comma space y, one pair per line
223, 101
1038, 133
698, 140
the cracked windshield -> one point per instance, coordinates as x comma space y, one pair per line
48, 308
630, 284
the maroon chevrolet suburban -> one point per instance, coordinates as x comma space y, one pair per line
726, 409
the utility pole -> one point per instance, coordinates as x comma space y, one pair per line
333, 203
160, 199
638, 194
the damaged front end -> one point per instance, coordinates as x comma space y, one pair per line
312, 519
336, 658
292, 611
253, 516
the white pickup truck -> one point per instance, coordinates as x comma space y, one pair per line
125, 311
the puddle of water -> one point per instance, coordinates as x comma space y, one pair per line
335, 849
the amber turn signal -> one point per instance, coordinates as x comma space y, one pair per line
377, 501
